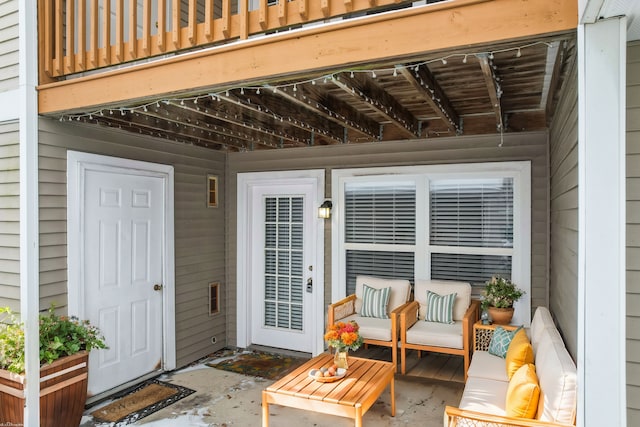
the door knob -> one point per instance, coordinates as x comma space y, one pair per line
157, 287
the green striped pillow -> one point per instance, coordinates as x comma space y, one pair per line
374, 302
440, 308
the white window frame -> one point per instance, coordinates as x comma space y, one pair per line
519, 171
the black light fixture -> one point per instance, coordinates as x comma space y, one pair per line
324, 211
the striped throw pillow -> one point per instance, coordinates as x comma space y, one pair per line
440, 308
375, 302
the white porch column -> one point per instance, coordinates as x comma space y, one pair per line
601, 213
29, 218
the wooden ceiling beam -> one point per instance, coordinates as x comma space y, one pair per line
426, 85
493, 88
378, 99
332, 109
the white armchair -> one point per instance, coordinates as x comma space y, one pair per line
437, 336
375, 330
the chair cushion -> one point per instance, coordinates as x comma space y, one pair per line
443, 287
500, 341
439, 307
557, 376
541, 320
484, 395
486, 365
375, 302
372, 328
519, 353
523, 393
400, 290
436, 334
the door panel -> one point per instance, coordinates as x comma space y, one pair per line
123, 239
281, 251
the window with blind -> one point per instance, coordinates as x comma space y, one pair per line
454, 222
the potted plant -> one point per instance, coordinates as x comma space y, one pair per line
65, 343
499, 294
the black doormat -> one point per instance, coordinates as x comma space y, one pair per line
258, 364
133, 404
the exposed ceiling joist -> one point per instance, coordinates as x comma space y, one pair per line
493, 87
379, 100
426, 85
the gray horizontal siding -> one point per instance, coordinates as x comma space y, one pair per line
531, 147
199, 231
9, 45
9, 216
633, 234
563, 212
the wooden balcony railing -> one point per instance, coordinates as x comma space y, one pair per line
82, 35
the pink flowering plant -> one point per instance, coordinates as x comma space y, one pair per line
500, 293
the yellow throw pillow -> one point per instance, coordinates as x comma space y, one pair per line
523, 393
519, 353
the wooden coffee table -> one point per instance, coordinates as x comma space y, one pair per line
351, 396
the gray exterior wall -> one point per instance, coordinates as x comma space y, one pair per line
633, 234
563, 167
9, 216
8, 45
531, 146
199, 230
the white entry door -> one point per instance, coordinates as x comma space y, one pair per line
283, 276
123, 276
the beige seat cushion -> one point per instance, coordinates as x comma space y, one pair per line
443, 287
488, 366
557, 376
436, 334
484, 395
400, 290
372, 328
541, 320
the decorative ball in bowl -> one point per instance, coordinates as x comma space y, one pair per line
327, 374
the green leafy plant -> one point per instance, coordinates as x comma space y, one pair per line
500, 293
59, 336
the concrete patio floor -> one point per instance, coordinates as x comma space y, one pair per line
228, 399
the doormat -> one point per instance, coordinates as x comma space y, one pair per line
258, 364
145, 399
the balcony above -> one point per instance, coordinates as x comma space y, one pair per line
245, 75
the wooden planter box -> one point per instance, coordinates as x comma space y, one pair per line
63, 393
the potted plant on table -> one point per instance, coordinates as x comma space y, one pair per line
499, 294
343, 336
65, 343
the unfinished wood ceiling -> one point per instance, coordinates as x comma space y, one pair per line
501, 88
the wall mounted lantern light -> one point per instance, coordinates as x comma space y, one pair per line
324, 211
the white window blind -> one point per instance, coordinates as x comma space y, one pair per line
283, 262
472, 213
379, 213
392, 265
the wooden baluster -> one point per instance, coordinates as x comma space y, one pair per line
46, 6
106, 32
120, 30
69, 58
93, 49
59, 38
175, 27
226, 18
282, 11
303, 8
133, 29
82, 36
244, 19
162, 24
263, 13
324, 7
208, 20
146, 27
192, 29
